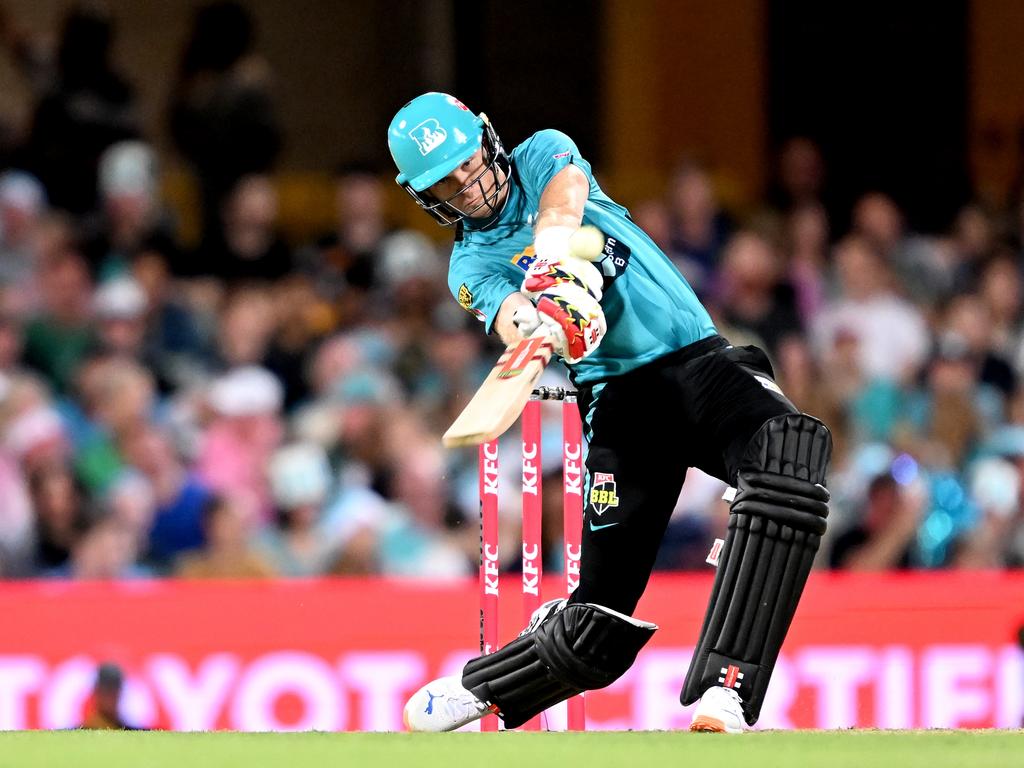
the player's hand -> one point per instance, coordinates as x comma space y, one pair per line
573, 338
567, 291
528, 320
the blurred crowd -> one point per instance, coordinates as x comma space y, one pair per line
246, 406
909, 346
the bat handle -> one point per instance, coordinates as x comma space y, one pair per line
552, 393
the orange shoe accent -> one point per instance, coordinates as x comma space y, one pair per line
705, 724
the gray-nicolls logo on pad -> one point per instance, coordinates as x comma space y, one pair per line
731, 676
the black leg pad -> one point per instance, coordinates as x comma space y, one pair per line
581, 647
775, 526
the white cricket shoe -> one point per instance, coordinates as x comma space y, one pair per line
718, 711
443, 705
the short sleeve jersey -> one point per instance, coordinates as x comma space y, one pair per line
650, 308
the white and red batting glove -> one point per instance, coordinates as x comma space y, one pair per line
567, 293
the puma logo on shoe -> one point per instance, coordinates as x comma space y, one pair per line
430, 702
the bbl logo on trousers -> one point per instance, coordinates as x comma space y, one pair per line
602, 493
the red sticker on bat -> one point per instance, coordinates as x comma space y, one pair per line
525, 351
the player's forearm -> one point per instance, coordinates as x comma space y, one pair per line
562, 201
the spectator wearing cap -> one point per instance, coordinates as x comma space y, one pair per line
411, 274
300, 544
121, 309
22, 205
368, 398
411, 278
119, 305
36, 435
245, 429
131, 221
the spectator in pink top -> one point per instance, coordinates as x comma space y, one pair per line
246, 428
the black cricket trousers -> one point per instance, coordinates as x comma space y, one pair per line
696, 407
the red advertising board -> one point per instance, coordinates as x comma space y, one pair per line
888, 651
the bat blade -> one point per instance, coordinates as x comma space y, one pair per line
501, 398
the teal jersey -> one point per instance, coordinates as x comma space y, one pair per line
649, 307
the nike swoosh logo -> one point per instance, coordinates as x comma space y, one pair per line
599, 527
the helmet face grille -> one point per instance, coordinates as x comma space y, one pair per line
497, 164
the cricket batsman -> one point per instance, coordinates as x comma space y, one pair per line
659, 391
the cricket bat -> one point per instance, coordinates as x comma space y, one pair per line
504, 393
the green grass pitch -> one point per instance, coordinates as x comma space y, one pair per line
821, 749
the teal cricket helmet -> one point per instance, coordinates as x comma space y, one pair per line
433, 135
